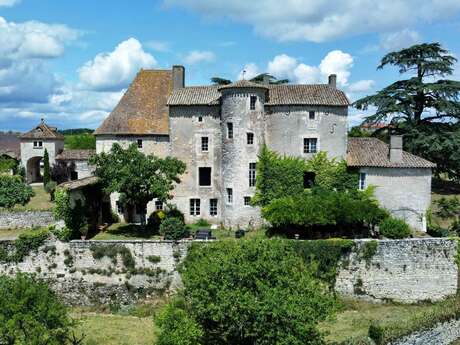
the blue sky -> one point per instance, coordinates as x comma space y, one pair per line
70, 61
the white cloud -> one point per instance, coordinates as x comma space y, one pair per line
322, 20
159, 46
198, 56
34, 39
9, 3
361, 86
337, 62
399, 40
115, 70
249, 71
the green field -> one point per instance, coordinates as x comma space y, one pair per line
39, 202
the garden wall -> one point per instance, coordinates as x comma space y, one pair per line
407, 271
442, 334
25, 219
88, 272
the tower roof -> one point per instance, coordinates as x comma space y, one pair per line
43, 131
243, 84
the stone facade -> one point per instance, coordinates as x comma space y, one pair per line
442, 334
406, 193
405, 271
32, 154
26, 219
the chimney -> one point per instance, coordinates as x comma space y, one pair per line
178, 76
333, 80
396, 148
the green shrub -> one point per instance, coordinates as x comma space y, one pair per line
74, 217
63, 234
8, 164
202, 222
435, 230
154, 259
394, 228
455, 227
26, 243
447, 207
84, 141
173, 229
155, 219
46, 168
112, 251
247, 292
30, 313
14, 191
50, 188
172, 211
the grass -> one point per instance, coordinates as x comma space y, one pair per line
125, 231
11, 234
443, 189
396, 320
40, 202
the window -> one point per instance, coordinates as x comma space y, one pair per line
252, 174
194, 207
247, 201
311, 115
252, 105
139, 143
229, 196
73, 175
38, 144
229, 130
308, 179
362, 181
310, 145
213, 207
204, 144
158, 205
200, 118
204, 177
119, 207
250, 138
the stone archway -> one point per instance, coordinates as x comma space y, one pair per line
34, 170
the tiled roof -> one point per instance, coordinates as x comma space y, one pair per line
81, 183
43, 131
195, 95
372, 152
10, 145
277, 95
143, 108
242, 84
75, 155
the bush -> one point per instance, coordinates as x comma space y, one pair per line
448, 207
155, 219
247, 292
30, 313
74, 218
174, 229
14, 191
435, 230
394, 228
202, 222
64, 234
50, 188
172, 211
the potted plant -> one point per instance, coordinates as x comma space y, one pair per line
84, 232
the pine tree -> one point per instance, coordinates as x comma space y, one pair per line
46, 168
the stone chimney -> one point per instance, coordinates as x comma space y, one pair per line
178, 76
396, 148
333, 80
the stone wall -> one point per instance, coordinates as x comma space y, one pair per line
442, 334
406, 271
26, 219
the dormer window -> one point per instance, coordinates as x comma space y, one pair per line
38, 144
252, 105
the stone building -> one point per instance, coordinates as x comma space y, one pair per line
218, 131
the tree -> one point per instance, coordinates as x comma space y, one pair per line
61, 171
247, 292
259, 79
83, 141
424, 107
137, 177
30, 313
14, 191
46, 168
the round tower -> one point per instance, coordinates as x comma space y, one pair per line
242, 112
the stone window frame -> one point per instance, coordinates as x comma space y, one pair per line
38, 144
250, 138
307, 148
195, 207
247, 201
252, 174
210, 176
252, 102
204, 144
213, 207
312, 115
229, 196
362, 182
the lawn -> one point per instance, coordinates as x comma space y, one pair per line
10, 234
124, 231
40, 202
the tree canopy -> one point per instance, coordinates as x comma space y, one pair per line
137, 177
425, 107
14, 191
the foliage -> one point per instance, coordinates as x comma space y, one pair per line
358, 132
447, 207
394, 228
137, 177
8, 164
173, 315
50, 188
343, 210
323, 256
46, 168
248, 292
368, 251
60, 172
14, 191
30, 313
112, 251
26, 243
173, 229
424, 107
74, 217
202, 222
84, 141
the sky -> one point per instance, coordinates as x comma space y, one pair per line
69, 62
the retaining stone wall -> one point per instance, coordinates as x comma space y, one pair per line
25, 219
443, 334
